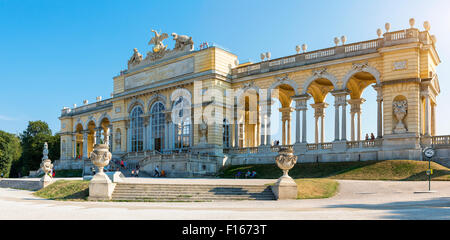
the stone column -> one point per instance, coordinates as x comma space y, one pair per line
263, 122
379, 110
236, 124
300, 106
356, 109
433, 119
85, 144
359, 126
427, 114
286, 121
304, 132
352, 126
74, 145
316, 132
319, 113
297, 123
344, 122
269, 112
336, 122
95, 136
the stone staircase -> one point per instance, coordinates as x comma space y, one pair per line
190, 193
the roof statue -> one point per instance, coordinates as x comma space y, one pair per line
136, 58
159, 49
182, 41
157, 41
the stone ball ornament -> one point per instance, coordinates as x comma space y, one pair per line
429, 152
101, 156
286, 159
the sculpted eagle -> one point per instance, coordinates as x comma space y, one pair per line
157, 41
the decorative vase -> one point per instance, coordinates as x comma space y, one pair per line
286, 160
101, 156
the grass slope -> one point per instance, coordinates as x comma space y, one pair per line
316, 188
404, 170
71, 190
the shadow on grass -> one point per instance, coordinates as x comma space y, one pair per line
400, 170
437, 208
422, 176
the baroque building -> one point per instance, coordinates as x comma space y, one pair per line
191, 112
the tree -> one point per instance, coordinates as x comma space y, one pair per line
32, 141
10, 151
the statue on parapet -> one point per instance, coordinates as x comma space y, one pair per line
157, 41
136, 58
181, 41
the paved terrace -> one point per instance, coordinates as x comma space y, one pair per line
356, 200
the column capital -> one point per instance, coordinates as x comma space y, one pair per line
303, 97
356, 104
340, 96
319, 109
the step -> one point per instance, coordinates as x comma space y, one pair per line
190, 193
190, 199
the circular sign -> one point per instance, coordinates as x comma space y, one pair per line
429, 152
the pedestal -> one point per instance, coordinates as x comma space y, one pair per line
101, 187
45, 181
285, 188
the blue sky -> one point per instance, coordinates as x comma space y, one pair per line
57, 53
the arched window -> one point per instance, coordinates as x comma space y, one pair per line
158, 125
226, 133
182, 121
137, 129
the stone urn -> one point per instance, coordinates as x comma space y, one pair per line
101, 156
100, 186
286, 160
285, 187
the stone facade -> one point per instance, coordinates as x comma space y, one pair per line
161, 105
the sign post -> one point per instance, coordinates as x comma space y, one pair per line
429, 153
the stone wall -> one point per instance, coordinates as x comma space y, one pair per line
25, 184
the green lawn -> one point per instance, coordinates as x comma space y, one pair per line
316, 188
71, 190
402, 170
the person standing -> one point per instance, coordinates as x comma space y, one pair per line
137, 172
156, 172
